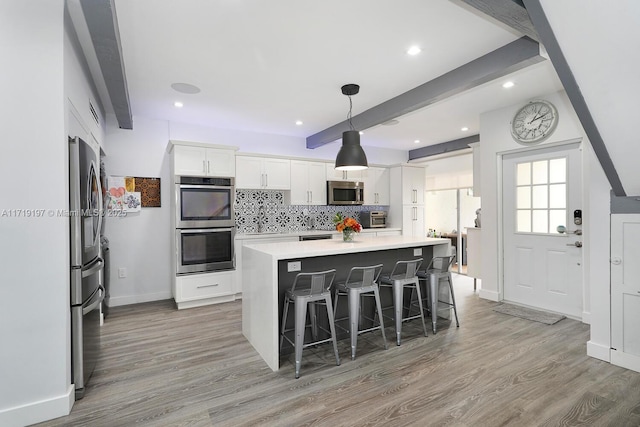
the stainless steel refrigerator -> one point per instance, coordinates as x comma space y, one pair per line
85, 213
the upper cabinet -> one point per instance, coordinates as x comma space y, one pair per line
202, 161
263, 173
412, 180
308, 183
336, 175
376, 186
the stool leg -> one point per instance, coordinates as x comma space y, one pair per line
301, 319
397, 305
354, 319
376, 295
434, 283
332, 327
285, 310
453, 300
419, 292
314, 320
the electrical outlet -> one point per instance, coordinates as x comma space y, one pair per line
417, 252
294, 266
122, 272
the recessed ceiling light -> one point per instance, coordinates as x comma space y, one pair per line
417, 141
299, 122
185, 88
508, 84
178, 104
464, 129
414, 50
361, 133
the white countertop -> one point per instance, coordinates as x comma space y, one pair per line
313, 248
271, 235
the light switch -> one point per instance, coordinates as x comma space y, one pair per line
122, 272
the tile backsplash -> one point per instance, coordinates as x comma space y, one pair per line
266, 211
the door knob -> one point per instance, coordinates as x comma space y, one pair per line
577, 244
616, 260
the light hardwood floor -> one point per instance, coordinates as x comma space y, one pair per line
164, 367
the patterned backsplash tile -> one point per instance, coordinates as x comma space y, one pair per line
266, 211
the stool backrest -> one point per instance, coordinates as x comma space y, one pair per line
406, 269
441, 264
363, 276
315, 283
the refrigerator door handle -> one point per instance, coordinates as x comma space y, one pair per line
96, 303
97, 266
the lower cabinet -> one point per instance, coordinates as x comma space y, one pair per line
195, 290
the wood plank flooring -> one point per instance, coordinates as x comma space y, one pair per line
164, 367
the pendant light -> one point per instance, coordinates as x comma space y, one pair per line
351, 156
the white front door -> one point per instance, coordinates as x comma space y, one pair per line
625, 291
541, 190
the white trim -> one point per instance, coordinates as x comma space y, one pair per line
586, 316
36, 412
136, 299
598, 351
490, 295
625, 360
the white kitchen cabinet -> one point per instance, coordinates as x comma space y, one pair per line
413, 220
202, 161
413, 185
406, 208
194, 290
336, 175
376, 186
263, 173
308, 183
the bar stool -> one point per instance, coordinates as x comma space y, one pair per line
361, 281
404, 276
439, 268
309, 288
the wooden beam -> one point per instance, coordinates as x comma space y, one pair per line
512, 57
444, 147
572, 89
512, 13
105, 36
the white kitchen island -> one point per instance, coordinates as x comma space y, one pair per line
265, 272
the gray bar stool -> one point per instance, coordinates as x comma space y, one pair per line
439, 268
361, 281
404, 276
309, 288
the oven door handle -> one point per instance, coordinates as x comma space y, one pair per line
204, 230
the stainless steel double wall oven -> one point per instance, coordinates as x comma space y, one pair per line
205, 224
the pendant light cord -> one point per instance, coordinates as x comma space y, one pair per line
349, 113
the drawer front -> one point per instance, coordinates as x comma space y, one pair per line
199, 286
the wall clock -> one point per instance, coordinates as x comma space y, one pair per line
534, 122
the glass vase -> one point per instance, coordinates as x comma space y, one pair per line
348, 235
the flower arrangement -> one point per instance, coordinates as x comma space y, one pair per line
347, 226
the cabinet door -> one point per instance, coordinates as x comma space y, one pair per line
413, 185
277, 174
249, 172
221, 162
317, 183
189, 161
413, 221
382, 187
333, 174
299, 183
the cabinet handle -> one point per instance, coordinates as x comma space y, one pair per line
415, 214
204, 167
208, 167
207, 286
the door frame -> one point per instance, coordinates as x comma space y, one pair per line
500, 205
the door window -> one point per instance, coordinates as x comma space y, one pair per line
541, 196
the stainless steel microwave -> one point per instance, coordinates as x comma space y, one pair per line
345, 193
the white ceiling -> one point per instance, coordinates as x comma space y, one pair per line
262, 65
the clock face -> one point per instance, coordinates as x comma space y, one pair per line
534, 122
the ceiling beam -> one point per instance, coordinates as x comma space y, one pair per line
105, 36
574, 93
512, 13
444, 147
512, 57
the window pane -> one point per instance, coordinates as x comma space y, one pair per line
558, 170
540, 221
558, 196
523, 221
524, 198
557, 217
540, 197
540, 172
523, 174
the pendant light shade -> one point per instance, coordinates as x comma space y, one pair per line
351, 156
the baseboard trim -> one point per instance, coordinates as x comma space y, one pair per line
490, 295
586, 317
598, 351
136, 299
625, 360
37, 412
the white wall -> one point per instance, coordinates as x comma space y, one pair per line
34, 252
